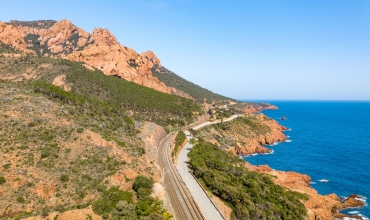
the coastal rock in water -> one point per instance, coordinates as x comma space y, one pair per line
353, 201
318, 206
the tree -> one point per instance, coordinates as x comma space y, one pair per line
142, 182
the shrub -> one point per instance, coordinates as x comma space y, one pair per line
64, 178
143, 192
145, 207
115, 195
102, 206
20, 199
2, 180
142, 182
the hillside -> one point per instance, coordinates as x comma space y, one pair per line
251, 195
59, 155
244, 135
141, 102
198, 93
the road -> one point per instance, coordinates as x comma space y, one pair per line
206, 206
182, 203
196, 127
185, 204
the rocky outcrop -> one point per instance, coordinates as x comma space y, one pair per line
180, 93
11, 36
100, 49
245, 135
107, 55
320, 207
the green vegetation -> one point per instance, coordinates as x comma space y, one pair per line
117, 204
64, 178
254, 124
251, 195
107, 116
142, 182
33, 24
102, 91
2, 180
20, 199
110, 199
53, 135
5, 48
198, 93
179, 140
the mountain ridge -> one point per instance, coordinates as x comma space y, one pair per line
99, 50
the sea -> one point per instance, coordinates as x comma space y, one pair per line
327, 140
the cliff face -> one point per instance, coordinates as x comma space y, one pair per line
107, 55
11, 36
99, 49
320, 207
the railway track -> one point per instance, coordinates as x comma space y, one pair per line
183, 204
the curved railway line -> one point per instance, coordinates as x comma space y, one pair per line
183, 204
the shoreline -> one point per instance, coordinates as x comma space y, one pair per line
318, 206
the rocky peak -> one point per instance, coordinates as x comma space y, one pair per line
11, 36
99, 49
33, 24
151, 58
102, 37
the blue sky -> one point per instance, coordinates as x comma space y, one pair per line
317, 50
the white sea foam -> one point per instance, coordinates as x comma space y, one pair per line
255, 154
271, 152
362, 199
274, 144
353, 212
324, 180
251, 155
288, 141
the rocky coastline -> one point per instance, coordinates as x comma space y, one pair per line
250, 135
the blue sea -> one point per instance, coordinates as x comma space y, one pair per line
328, 140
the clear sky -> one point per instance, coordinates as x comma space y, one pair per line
244, 49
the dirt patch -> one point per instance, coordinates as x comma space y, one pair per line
61, 82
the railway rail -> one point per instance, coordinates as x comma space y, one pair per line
183, 204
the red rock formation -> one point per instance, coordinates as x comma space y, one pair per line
11, 36
112, 58
99, 49
319, 207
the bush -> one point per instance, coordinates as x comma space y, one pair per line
115, 195
142, 182
20, 199
147, 206
124, 210
102, 206
2, 180
64, 178
143, 192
